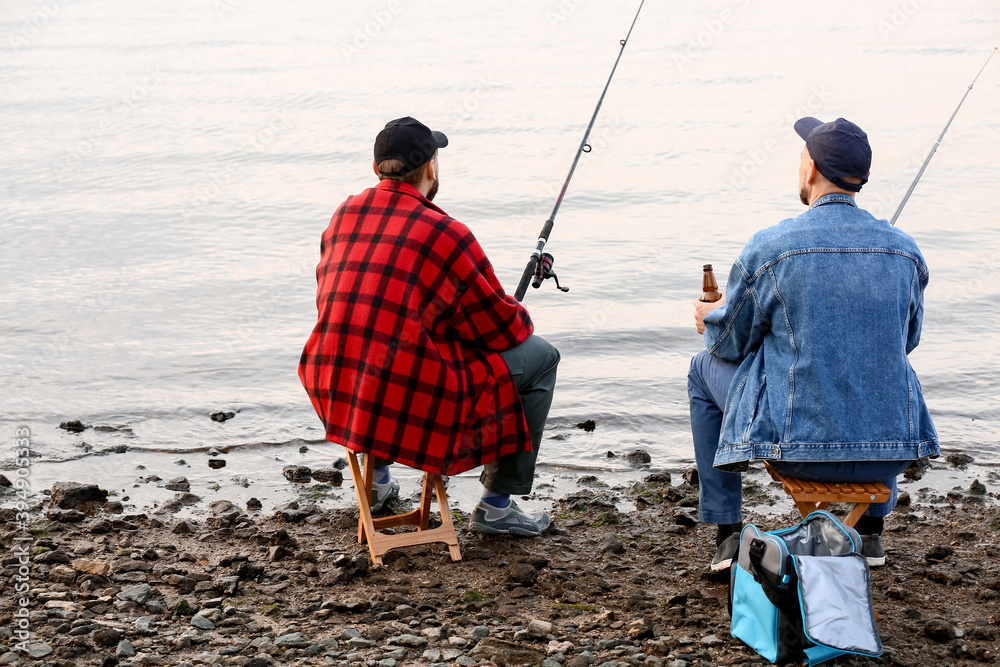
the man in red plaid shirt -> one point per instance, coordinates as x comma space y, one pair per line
418, 355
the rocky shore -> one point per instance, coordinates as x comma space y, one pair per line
604, 586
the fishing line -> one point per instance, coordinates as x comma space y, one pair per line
938, 142
539, 264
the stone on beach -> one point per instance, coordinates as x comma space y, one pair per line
139, 593
76, 496
297, 474
329, 476
178, 484
638, 457
39, 650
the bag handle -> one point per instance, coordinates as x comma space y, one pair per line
780, 593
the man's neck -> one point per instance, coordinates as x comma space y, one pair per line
822, 192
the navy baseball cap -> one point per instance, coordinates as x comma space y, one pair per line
839, 148
409, 141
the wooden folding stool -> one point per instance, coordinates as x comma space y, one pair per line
368, 528
811, 496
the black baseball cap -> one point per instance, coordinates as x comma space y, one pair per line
409, 141
839, 148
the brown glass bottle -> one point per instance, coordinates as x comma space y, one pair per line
709, 286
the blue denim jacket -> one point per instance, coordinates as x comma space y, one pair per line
821, 311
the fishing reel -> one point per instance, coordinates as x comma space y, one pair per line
543, 270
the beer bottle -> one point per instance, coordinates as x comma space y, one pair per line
709, 286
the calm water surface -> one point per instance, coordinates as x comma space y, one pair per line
168, 168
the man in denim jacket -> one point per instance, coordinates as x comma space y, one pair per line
806, 362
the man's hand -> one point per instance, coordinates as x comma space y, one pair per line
701, 309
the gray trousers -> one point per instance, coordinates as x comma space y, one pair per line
532, 365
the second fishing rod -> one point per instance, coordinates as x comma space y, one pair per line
539, 265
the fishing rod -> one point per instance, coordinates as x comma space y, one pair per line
540, 264
938, 142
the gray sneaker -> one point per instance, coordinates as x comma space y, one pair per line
510, 520
383, 493
871, 549
723, 559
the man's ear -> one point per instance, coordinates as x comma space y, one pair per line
811, 172
375, 167
431, 172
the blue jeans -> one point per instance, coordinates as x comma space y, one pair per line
721, 493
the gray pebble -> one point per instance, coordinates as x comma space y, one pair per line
358, 642
291, 640
202, 623
125, 649
611, 544
138, 594
412, 641
39, 650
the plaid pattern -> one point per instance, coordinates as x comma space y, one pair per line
404, 360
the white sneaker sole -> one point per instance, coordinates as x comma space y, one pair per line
487, 529
721, 566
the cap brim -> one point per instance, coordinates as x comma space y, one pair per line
803, 126
439, 138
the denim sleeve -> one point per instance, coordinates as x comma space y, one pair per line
736, 329
917, 284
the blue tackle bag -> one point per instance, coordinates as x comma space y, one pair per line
803, 593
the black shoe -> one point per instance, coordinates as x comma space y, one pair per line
727, 551
871, 549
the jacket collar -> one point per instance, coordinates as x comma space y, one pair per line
834, 198
390, 185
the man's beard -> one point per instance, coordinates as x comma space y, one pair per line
803, 195
433, 191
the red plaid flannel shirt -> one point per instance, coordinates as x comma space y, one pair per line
404, 360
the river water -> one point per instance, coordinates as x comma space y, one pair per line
169, 166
